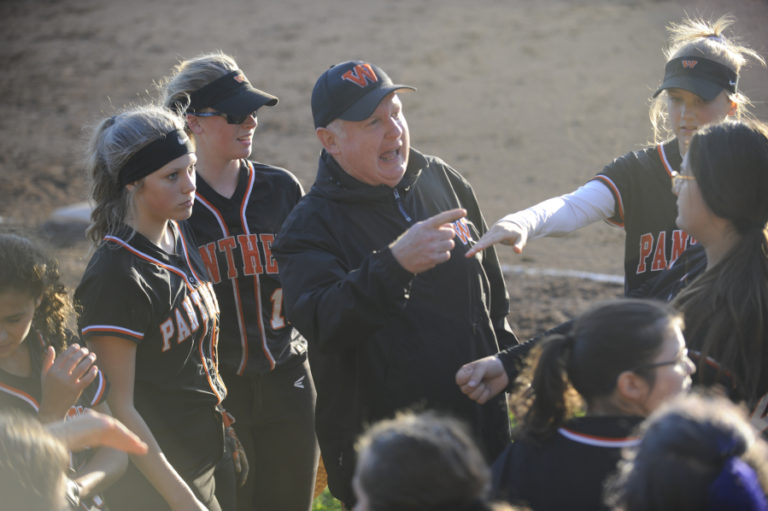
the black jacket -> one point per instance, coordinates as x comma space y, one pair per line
380, 338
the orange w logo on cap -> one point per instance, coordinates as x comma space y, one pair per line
689, 64
361, 75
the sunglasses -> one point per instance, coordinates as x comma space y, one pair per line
231, 118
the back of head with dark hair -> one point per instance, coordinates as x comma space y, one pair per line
696, 452
419, 462
608, 339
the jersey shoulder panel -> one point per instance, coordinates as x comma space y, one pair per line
277, 173
632, 176
113, 297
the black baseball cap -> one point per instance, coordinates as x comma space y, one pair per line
231, 94
704, 77
350, 91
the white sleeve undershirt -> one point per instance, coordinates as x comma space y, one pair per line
561, 215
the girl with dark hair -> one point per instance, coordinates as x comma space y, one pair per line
418, 462
147, 309
619, 361
44, 371
721, 197
696, 452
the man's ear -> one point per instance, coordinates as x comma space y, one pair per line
632, 387
328, 139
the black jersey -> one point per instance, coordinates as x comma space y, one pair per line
24, 393
566, 470
646, 208
235, 236
164, 303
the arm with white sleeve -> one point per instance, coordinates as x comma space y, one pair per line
553, 217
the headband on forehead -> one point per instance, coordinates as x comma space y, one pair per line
704, 77
153, 156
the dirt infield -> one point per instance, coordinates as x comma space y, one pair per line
527, 99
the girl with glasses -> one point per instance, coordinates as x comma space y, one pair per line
724, 207
582, 395
240, 206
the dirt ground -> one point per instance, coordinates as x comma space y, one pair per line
526, 98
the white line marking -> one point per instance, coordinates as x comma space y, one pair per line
554, 272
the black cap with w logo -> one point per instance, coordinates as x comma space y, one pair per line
704, 77
351, 91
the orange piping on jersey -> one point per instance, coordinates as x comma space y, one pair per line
215, 212
21, 395
191, 289
186, 253
214, 330
664, 161
214, 349
598, 441
112, 329
617, 196
256, 278
235, 288
146, 257
100, 391
212, 385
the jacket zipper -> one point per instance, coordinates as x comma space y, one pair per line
400, 207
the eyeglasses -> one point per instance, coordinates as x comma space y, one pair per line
231, 118
677, 360
678, 179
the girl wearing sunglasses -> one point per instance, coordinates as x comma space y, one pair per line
240, 206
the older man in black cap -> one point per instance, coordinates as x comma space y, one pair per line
374, 274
